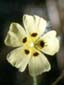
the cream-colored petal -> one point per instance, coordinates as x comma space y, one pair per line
18, 58
38, 65
34, 24
51, 43
15, 35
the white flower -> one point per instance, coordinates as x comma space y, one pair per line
32, 42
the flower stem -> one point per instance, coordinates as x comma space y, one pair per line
34, 80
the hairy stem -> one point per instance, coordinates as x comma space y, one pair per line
34, 80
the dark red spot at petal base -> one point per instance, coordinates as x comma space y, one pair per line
34, 34
41, 43
27, 51
25, 40
35, 54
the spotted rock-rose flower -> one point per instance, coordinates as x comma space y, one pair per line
32, 43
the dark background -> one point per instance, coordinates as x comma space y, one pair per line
12, 11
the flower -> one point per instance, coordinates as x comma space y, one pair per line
32, 43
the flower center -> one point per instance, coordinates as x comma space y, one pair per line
31, 44
28, 42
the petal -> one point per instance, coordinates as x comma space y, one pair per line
38, 65
15, 35
34, 24
18, 58
51, 43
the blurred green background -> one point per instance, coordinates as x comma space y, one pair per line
12, 11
